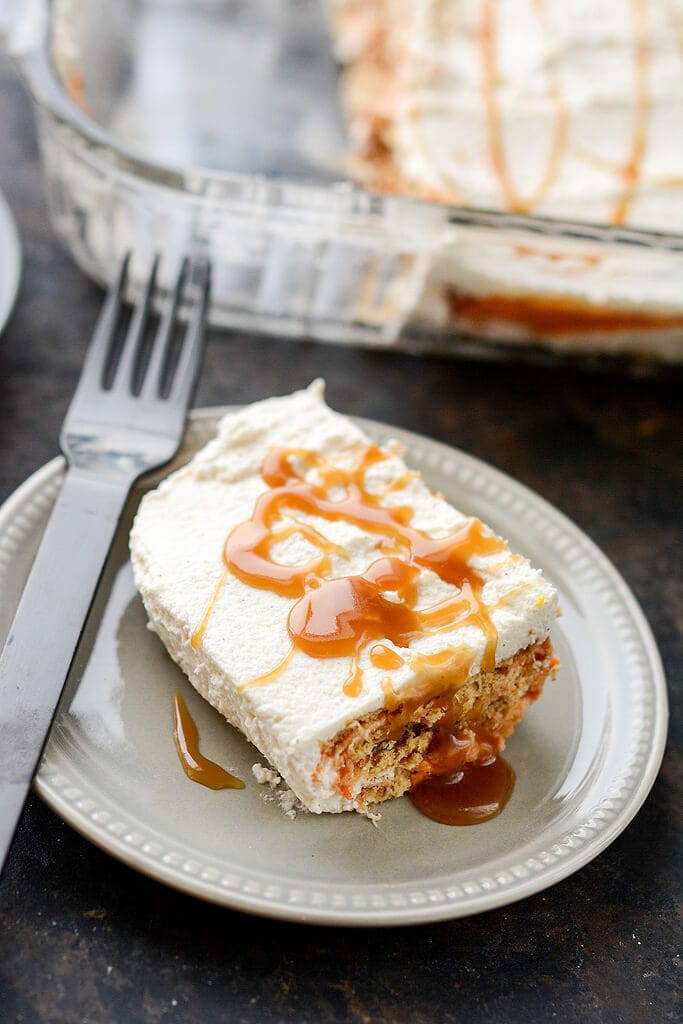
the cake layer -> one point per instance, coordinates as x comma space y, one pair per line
573, 298
305, 579
396, 748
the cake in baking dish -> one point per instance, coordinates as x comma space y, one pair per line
564, 108
359, 630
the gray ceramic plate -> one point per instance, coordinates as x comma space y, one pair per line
585, 756
10, 262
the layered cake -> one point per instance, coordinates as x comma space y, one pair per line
569, 109
361, 632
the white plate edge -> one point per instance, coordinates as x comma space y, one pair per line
10, 291
404, 914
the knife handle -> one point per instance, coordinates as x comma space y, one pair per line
43, 637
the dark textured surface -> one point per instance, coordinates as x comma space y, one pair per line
85, 939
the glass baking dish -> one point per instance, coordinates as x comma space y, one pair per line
215, 127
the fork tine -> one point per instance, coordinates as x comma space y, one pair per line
95, 362
154, 373
123, 379
190, 355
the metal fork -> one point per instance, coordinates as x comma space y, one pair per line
127, 416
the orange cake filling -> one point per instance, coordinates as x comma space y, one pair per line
551, 316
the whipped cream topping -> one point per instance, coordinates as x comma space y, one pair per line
177, 545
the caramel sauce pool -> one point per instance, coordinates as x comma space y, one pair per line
458, 793
197, 767
473, 794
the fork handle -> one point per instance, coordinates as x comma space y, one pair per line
46, 629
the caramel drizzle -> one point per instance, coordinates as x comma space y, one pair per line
339, 617
630, 172
391, 698
455, 193
601, 163
272, 675
585, 259
488, 42
511, 199
385, 657
198, 636
558, 144
195, 765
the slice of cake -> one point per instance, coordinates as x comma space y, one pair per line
360, 631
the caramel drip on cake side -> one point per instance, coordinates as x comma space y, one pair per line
385, 657
269, 677
338, 617
558, 143
198, 636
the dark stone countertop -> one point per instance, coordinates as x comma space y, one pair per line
85, 939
